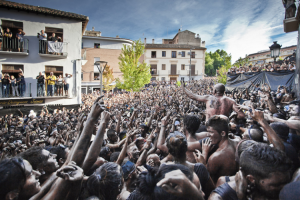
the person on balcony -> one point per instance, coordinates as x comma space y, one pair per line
59, 83
43, 42
7, 43
53, 38
5, 85
51, 83
20, 36
40, 85
14, 86
66, 83
21, 83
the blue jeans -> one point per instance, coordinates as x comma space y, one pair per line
50, 90
22, 89
5, 90
40, 89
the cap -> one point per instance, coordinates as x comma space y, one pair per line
128, 168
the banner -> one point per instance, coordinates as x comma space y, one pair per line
273, 79
21, 101
55, 47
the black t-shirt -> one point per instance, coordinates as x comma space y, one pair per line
53, 39
40, 79
5, 81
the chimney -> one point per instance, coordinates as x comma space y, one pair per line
100, 33
93, 28
117, 36
152, 41
178, 30
203, 44
197, 35
145, 40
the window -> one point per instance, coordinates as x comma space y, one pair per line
96, 76
163, 54
163, 78
182, 78
12, 44
153, 69
182, 67
163, 67
173, 54
12, 70
97, 45
183, 54
57, 31
193, 55
153, 54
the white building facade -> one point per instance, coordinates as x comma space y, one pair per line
180, 58
32, 60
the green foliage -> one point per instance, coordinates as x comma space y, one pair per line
178, 83
213, 61
135, 74
222, 72
241, 61
108, 78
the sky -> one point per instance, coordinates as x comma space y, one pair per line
239, 27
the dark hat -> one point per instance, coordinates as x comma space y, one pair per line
128, 168
290, 191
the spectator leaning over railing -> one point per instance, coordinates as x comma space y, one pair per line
21, 83
51, 83
40, 85
43, 41
14, 86
7, 40
66, 83
20, 36
5, 85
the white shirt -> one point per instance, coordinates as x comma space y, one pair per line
67, 79
41, 37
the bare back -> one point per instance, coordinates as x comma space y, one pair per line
218, 105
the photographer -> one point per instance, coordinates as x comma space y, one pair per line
42, 41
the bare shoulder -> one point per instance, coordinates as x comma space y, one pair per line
214, 196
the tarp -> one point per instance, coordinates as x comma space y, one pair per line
273, 79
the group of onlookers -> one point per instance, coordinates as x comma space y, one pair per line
270, 67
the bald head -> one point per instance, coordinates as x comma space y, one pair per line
219, 89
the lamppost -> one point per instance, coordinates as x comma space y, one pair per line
275, 50
101, 69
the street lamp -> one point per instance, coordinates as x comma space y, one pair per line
101, 69
275, 50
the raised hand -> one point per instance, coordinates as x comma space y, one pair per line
199, 157
105, 117
97, 108
70, 172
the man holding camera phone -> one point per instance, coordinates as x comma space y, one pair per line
43, 41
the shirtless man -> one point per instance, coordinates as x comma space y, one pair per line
218, 104
222, 161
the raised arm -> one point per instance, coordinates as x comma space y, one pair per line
95, 148
192, 95
161, 138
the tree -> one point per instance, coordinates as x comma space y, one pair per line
213, 61
241, 61
222, 72
135, 74
108, 78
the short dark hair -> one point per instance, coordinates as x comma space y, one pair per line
218, 123
114, 156
34, 156
261, 160
177, 144
192, 123
13, 177
58, 150
111, 133
281, 129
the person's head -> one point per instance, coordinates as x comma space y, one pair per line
265, 169
133, 153
294, 110
41, 160
61, 151
219, 89
140, 141
112, 136
53, 34
177, 145
12, 77
105, 153
129, 171
18, 179
114, 156
281, 129
42, 31
252, 98
51, 73
241, 146
7, 30
146, 184
106, 182
59, 76
66, 74
153, 160
253, 133
191, 124
217, 128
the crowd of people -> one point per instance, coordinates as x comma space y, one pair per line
194, 141
54, 85
268, 67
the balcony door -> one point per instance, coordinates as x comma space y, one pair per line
193, 69
173, 69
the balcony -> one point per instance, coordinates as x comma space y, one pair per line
173, 73
154, 72
53, 49
193, 74
14, 94
13, 46
291, 21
